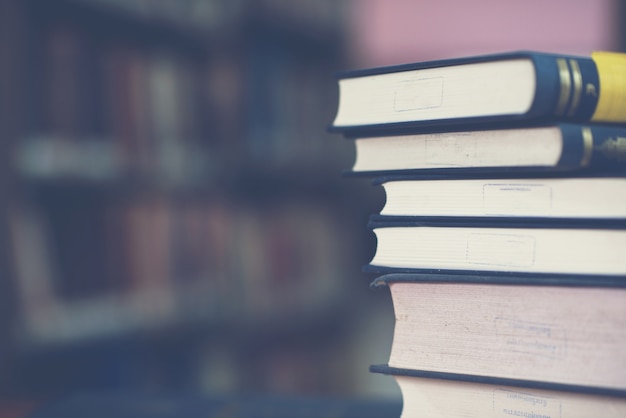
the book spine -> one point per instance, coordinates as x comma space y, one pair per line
592, 146
567, 87
580, 88
611, 105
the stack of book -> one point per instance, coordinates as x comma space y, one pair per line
503, 233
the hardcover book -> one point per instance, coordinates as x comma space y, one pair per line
445, 395
528, 197
513, 86
563, 331
546, 147
493, 245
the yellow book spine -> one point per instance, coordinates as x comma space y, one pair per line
611, 105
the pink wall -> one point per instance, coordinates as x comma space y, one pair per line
396, 31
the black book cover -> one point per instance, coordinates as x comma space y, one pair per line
531, 384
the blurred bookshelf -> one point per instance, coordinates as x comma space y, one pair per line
173, 211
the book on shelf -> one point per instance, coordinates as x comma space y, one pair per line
564, 331
588, 197
493, 245
493, 148
160, 262
446, 395
63, 53
511, 86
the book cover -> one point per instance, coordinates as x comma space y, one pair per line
564, 147
512, 86
498, 245
557, 331
576, 197
444, 395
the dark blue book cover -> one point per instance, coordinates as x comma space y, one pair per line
385, 221
384, 280
497, 381
584, 148
492, 246
563, 87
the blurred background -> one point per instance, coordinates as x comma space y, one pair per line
173, 212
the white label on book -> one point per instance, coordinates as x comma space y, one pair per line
423, 93
517, 199
534, 338
450, 149
500, 250
507, 403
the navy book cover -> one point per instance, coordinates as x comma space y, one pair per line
567, 88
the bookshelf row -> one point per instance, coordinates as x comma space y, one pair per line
110, 267
168, 169
156, 109
209, 16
